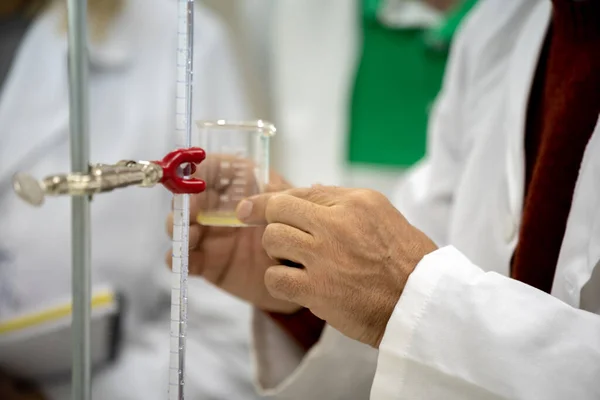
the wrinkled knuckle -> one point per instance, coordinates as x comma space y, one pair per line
339, 214
368, 197
284, 284
285, 205
303, 244
366, 193
319, 190
358, 194
272, 235
377, 197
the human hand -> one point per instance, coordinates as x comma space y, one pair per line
356, 248
231, 258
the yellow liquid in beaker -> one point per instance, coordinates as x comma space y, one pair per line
219, 219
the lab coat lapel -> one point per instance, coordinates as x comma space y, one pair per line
581, 244
522, 68
580, 251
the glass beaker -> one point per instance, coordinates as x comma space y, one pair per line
236, 167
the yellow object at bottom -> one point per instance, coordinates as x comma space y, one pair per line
51, 314
219, 219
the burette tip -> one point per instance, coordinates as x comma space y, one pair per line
28, 189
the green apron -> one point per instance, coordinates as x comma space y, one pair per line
398, 78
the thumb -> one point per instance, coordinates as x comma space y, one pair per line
289, 284
252, 210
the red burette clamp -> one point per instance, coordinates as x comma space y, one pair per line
172, 165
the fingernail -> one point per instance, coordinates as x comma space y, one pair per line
244, 209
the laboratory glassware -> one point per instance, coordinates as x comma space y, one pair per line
236, 167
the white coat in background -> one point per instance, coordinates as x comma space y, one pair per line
461, 329
314, 53
302, 56
132, 89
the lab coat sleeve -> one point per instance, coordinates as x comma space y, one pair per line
458, 332
337, 368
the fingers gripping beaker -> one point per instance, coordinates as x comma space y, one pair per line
236, 167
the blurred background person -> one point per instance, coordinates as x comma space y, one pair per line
132, 99
348, 83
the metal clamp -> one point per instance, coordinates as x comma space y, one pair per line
105, 178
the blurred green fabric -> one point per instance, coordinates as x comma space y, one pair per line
397, 80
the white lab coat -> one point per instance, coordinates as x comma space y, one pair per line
132, 90
314, 54
461, 329
303, 55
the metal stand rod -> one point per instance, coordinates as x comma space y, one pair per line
80, 224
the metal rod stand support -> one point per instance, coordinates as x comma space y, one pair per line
80, 223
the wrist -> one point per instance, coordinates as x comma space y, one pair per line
405, 268
380, 319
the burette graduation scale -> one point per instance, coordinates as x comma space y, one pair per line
173, 171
